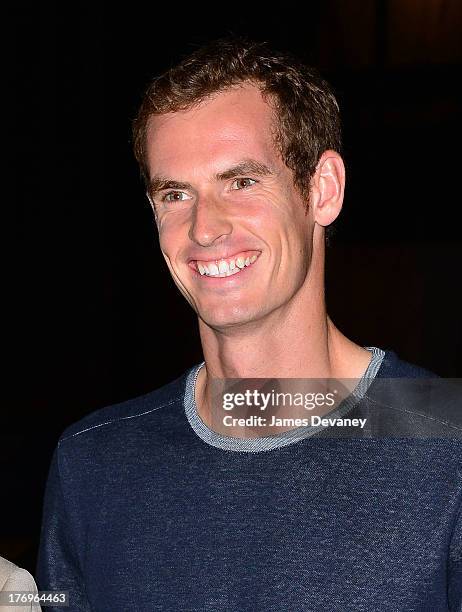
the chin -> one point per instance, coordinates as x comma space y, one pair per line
228, 317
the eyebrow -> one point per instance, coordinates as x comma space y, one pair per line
246, 166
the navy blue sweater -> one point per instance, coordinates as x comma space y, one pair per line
143, 514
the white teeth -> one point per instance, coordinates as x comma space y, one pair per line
231, 272
223, 267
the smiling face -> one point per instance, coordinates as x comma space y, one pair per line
232, 226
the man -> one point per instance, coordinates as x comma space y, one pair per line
149, 506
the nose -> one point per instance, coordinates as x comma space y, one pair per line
209, 222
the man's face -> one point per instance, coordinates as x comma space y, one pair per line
232, 226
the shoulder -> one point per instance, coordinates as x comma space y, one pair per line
111, 445
132, 412
14, 578
416, 401
393, 366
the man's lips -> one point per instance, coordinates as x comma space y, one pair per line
224, 267
216, 257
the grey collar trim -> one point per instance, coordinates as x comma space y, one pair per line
255, 445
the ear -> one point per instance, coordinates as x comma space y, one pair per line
327, 188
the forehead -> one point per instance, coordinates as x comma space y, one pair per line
227, 127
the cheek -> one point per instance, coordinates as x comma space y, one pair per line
279, 221
171, 235
263, 211
169, 245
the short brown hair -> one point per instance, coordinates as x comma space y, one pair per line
306, 111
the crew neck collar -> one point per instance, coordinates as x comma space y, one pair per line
260, 444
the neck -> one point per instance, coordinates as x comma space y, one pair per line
298, 340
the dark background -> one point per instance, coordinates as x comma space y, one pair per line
96, 318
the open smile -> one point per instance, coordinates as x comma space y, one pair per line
222, 268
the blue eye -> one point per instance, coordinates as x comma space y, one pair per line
242, 183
